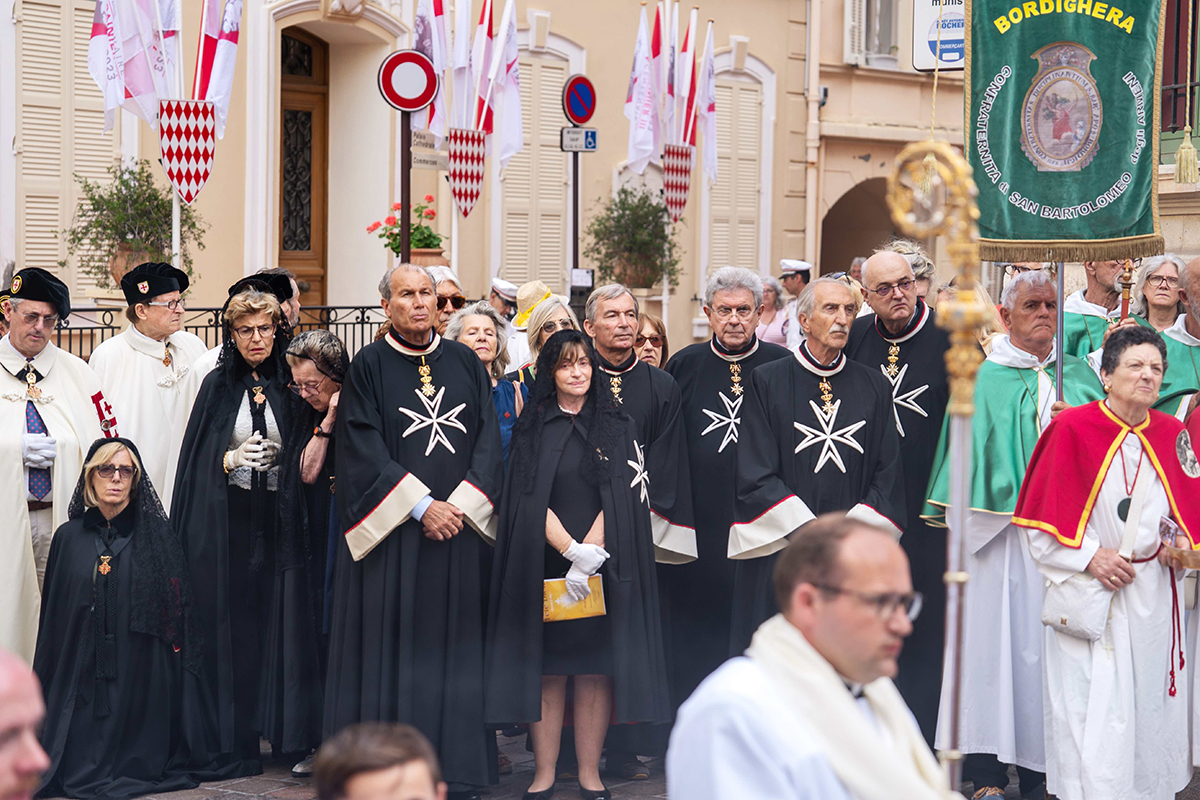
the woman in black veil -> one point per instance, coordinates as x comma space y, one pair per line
118, 653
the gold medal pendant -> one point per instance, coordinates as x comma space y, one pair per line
615, 384
259, 397
826, 395
427, 387
104, 567
893, 356
735, 375
167, 356
31, 389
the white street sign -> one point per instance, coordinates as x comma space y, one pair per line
925, 35
424, 139
578, 140
423, 160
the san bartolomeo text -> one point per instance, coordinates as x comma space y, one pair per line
1061, 136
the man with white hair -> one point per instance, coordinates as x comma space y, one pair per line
1000, 702
818, 435
22, 759
901, 342
1182, 379
1091, 311
714, 377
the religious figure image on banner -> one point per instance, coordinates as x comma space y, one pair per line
1062, 113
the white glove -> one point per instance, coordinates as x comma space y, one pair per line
270, 454
587, 558
38, 450
577, 584
250, 453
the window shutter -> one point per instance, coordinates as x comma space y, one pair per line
854, 32
534, 226
734, 200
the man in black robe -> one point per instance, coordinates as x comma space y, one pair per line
818, 435
652, 398
418, 475
902, 341
714, 379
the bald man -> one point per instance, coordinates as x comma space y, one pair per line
22, 759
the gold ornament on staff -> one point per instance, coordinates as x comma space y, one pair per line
1126, 284
931, 193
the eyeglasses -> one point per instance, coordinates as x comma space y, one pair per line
653, 339
49, 320
108, 470
725, 312
246, 332
554, 326
171, 304
885, 603
1012, 270
456, 300
311, 388
885, 292
1162, 281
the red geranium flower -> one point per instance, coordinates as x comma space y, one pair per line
397, 206
389, 220
428, 198
430, 213
374, 226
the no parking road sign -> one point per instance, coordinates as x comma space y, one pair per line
407, 80
579, 99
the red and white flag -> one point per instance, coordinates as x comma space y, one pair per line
685, 84
220, 21
131, 55
706, 107
505, 88
640, 103
657, 58
481, 60
462, 99
429, 36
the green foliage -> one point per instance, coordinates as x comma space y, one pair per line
631, 240
132, 211
421, 235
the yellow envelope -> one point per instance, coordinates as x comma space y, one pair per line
558, 606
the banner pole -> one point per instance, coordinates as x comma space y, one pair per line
1058, 340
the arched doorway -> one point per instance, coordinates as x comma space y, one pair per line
857, 224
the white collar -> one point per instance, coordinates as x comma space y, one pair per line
144, 344
811, 364
733, 359
1077, 305
914, 325
1178, 332
408, 351
1007, 354
14, 362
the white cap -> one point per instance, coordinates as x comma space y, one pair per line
506, 289
793, 265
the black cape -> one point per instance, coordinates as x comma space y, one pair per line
151, 737
514, 639
701, 592
200, 514
407, 622
920, 394
796, 461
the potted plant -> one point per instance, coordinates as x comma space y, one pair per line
630, 238
425, 244
124, 222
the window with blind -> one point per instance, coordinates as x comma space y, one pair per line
60, 123
534, 218
734, 199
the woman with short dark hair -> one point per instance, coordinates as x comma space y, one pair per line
575, 505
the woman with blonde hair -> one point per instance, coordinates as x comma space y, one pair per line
651, 343
118, 654
548, 317
226, 510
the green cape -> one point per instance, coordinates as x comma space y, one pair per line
1182, 377
1004, 432
1083, 333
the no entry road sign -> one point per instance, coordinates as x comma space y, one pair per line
407, 80
579, 99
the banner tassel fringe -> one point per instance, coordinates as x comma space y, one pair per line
1074, 252
928, 173
1186, 168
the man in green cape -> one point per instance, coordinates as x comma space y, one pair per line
1000, 705
1088, 313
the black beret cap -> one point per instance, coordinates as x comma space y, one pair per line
34, 283
278, 285
149, 280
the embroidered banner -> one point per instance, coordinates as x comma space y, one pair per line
1062, 121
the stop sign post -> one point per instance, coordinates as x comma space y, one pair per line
408, 82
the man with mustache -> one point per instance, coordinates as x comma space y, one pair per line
901, 342
1088, 313
818, 435
1000, 705
22, 759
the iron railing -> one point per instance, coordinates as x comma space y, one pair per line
1179, 24
356, 326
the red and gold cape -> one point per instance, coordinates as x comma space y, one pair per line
1072, 458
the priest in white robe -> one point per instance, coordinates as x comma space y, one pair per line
51, 410
1100, 479
147, 372
810, 712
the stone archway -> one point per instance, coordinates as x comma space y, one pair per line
856, 225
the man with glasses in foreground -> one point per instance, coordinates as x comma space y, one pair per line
901, 342
51, 409
147, 370
810, 712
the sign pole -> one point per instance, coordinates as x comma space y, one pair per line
405, 186
575, 211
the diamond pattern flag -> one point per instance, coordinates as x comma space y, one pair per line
677, 177
187, 141
466, 157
